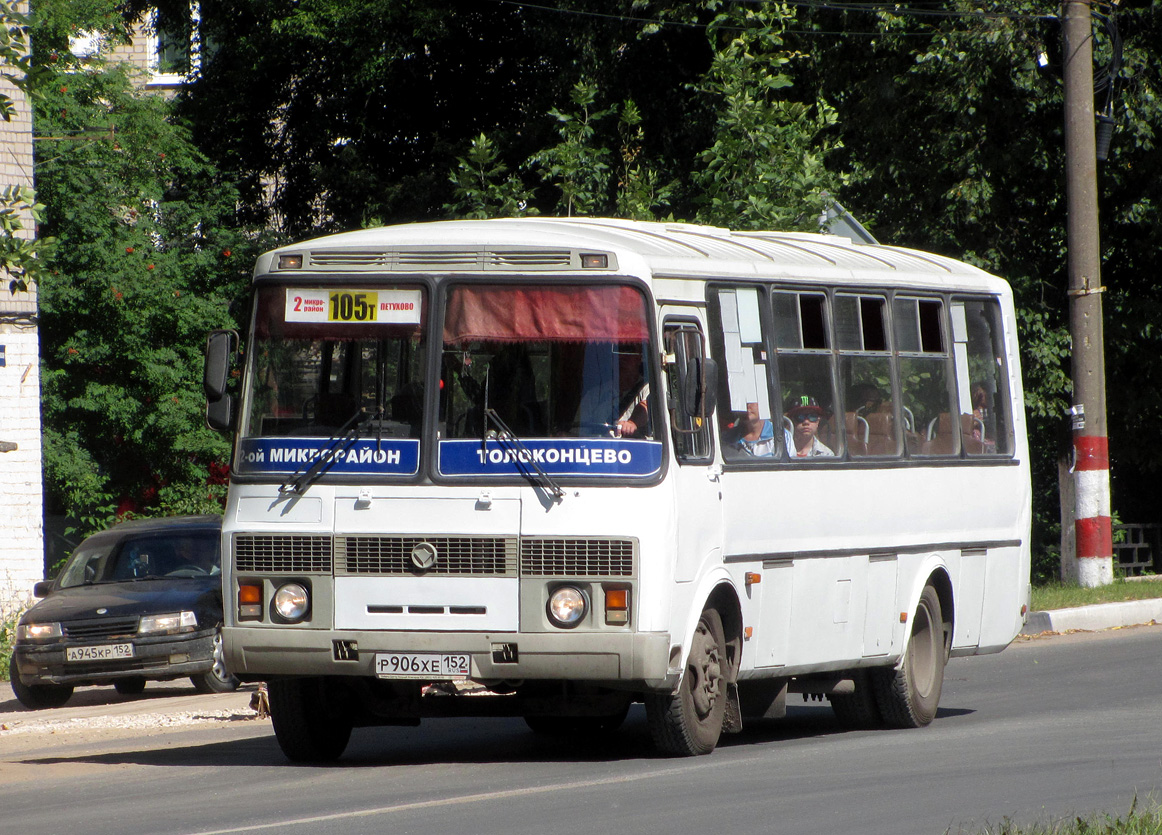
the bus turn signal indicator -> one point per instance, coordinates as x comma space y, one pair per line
617, 606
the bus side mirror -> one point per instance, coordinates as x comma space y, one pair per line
700, 387
220, 413
220, 348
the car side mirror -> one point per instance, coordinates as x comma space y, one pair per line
42, 588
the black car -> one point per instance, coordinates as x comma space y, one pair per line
139, 602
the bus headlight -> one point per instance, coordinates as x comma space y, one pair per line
292, 602
568, 606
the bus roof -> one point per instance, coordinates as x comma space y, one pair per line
652, 250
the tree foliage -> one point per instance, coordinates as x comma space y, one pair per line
149, 257
766, 167
934, 125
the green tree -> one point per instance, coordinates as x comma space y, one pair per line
484, 186
578, 165
20, 258
149, 258
766, 168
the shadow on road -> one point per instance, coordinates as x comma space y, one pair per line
462, 741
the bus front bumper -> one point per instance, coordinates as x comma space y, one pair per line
632, 658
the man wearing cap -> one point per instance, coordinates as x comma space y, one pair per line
804, 413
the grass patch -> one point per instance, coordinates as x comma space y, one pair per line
1136, 822
1059, 595
7, 639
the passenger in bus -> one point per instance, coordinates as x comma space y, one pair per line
756, 435
804, 414
864, 399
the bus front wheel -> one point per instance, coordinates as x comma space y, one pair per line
308, 725
689, 722
908, 696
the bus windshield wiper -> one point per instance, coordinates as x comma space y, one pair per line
343, 438
523, 456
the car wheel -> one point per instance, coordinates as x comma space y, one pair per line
129, 686
37, 696
219, 679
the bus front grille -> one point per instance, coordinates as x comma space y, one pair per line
472, 556
549, 557
282, 553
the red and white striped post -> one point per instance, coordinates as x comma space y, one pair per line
1091, 464
1093, 533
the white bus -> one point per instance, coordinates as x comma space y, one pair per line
549, 468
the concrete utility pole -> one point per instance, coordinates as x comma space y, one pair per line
1091, 470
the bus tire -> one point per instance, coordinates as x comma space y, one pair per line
689, 722
857, 711
909, 696
307, 727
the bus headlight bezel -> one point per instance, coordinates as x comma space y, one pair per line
291, 602
567, 607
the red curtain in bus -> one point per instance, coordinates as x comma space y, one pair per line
567, 314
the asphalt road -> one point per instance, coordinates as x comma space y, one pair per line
1050, 728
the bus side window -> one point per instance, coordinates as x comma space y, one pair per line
683, 341
925, 393
749, 430
865, 375
981, 377
806, 372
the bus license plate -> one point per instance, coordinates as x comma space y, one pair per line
103, 653
425, 665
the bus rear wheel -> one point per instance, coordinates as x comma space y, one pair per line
909, 696
689, 722
858, 710
307, 725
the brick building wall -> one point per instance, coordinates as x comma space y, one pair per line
21, 486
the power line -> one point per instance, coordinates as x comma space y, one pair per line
822, 5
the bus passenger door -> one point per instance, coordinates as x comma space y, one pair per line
696, 480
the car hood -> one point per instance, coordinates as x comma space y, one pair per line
129, 599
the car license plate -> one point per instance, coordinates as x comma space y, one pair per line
102, 653
425, 665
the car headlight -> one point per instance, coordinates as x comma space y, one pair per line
291, 602
567, 606
167, 623
38, 631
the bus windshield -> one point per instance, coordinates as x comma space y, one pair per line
323, 357
549, 361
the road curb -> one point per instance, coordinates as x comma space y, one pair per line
1094, 618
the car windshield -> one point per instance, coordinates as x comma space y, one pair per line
185, 554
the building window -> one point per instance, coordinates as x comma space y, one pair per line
174, 45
